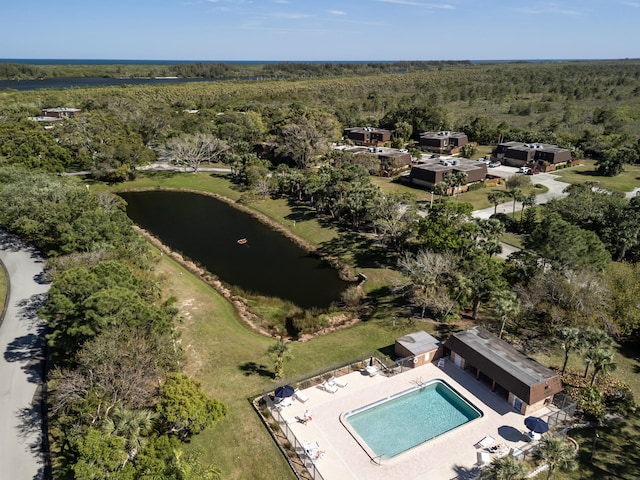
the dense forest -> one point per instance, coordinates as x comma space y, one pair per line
576, 281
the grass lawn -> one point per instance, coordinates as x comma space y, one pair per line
232, 363
617, 452
586, 172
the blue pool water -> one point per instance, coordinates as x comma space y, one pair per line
410, 418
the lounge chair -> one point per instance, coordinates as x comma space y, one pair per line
483, 458
285, 402
313, 451
329, 387
301, 397
341, 383
337, 382
485, 442
441, 362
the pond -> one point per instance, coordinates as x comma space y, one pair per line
211, 233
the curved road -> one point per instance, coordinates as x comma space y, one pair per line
22, 362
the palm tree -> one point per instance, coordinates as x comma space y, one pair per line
506, 305
569, 339
441, 189
131, 425
517, 196
594, 338
557, 453
496, 197
505, 468
602, 362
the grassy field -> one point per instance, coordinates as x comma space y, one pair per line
232, 362
586, 172
617, 449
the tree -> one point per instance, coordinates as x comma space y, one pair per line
193, 149
567, 246
558, 454
569, 339
602, 360
468, 150
101, 456
395, 220
496, 198
280, 353
184, 408
132, 426
188, 467
506, 306
483, 278
305, 137
505, 468
594, 339
440, 189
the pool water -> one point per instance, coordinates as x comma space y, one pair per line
410, 418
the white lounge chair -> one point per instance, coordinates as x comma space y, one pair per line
341, 383
285, 402
485, 442
483, 458
329, 387
313, 451
441, 362
301, 397
337, 382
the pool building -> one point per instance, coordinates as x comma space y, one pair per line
526, 385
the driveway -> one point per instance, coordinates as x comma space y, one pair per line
22, 362
556, 189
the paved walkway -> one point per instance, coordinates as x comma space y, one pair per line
21, 366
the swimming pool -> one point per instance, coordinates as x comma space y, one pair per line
409, 418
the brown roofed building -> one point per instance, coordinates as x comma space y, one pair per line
518, 154
443, 141
419, 348
368, 136
526, 384
60, 112
428, 173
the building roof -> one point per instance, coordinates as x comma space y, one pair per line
419, 342
367, 129
442, 134
499, 360
533, 146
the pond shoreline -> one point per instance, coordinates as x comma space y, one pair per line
250, 318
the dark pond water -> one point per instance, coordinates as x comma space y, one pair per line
207, 231
77, 82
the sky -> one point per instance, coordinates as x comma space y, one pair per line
316, 30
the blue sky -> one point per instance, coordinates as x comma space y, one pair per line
319, 29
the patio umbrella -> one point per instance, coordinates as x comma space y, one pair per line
282, 392
536, 424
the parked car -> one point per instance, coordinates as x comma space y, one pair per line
494, 164
525, 170
484, 160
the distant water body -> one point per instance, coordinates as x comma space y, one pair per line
86, 82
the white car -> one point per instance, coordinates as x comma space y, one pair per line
525, 170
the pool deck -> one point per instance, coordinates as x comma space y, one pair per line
445, 457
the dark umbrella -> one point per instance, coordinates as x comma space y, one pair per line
283, 392
536, 424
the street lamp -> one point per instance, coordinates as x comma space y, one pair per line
593, 447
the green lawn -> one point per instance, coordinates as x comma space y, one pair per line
232, 362
617, 452
586, 172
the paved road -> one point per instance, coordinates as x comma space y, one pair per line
556, 189
21, 365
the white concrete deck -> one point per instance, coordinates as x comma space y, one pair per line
445, 457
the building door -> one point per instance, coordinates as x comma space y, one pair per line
517, 404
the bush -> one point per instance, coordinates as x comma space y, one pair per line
510, 225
